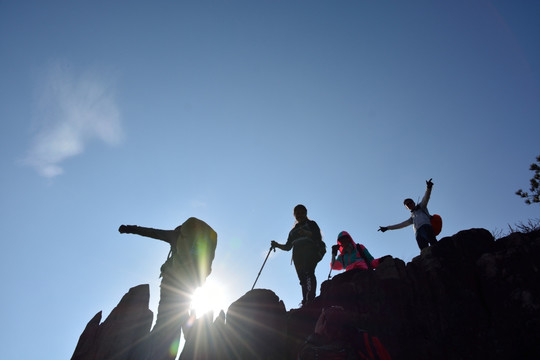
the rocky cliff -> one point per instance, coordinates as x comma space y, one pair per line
468, 297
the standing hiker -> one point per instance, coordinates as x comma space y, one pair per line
189, 262
308, 249
419, 219
351, 255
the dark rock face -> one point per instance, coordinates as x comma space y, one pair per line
122, 335
468, 297
255, 328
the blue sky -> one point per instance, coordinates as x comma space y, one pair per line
234, 112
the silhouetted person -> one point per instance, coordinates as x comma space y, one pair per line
189, 262
351, 255
419, 219
336, 337
305, 239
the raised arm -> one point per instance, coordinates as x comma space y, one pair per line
168, 236
427, 195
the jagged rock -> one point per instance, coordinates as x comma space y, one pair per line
255, 328
205, 338
122, 335
256, 325
467, 297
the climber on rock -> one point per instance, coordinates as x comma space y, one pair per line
419, 219
308, 249
336, 336
351, 255
189, 262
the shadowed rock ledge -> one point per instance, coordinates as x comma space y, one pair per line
468, 297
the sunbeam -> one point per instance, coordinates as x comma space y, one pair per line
212, 296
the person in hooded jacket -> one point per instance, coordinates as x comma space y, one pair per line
351, 255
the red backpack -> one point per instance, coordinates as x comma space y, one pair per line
436, 223
361, 346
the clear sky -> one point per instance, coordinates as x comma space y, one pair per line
148, 113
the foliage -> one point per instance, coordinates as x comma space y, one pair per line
534, 196
528, 227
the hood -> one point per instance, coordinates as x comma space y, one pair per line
344, 237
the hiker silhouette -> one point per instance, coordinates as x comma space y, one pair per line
308, 249
419, 219
189, 262
336, 337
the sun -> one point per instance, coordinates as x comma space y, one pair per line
209, 297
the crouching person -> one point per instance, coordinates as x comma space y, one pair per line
351, 255
336, 338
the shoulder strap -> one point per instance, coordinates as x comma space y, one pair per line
370, 347
361, 253
424, 210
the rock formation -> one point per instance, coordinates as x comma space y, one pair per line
468, 297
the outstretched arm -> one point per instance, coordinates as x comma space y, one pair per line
168, 236
401, 225
285, 247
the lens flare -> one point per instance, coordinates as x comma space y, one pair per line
209, 297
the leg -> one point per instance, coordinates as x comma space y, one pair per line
425, 236
420, 239
430, 235
302, 277
305, 257
311, 286
171, 315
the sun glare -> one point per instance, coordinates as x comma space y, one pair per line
209, 297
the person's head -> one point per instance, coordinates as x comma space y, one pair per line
409, 203
197, 240
345, 242
331, 322
300, 213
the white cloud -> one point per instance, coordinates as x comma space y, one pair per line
70, 113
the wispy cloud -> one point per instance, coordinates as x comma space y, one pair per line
198, 204
70, 112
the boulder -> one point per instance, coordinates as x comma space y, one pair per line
467, 297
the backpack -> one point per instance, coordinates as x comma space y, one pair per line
435, 220
370, 347
361, 347
321, 246
363, 255
436, 223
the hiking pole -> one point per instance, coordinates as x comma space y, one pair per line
271, 247
333, 256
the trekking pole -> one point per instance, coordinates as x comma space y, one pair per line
333, 256
271, 247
